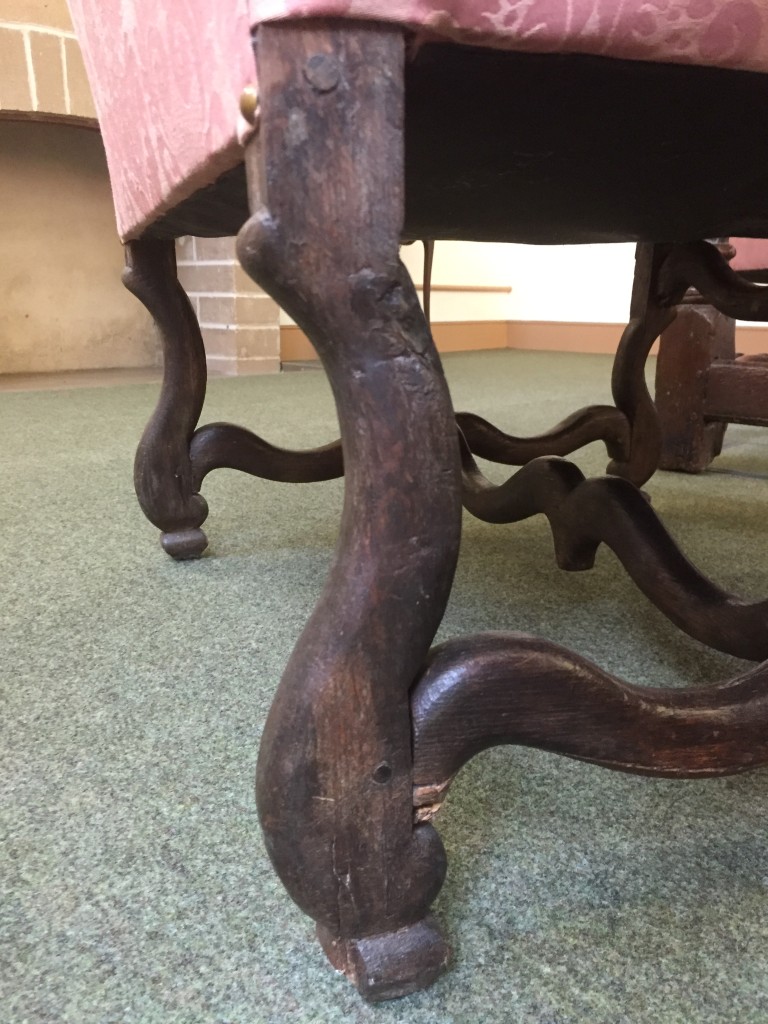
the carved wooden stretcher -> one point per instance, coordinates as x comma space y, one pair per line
355, 148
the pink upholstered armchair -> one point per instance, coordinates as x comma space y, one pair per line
325, 133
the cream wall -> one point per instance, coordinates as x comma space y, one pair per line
62, 305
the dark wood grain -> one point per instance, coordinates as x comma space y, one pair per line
608, 510
334, 780
163, 476
650, 313
594, 423
505, 688
226, 446
737, 393
698, 335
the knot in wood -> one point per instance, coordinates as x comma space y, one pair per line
322, 71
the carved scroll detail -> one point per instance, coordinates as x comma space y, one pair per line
226, 446
163, 475
594, 423
509, 688
585, 513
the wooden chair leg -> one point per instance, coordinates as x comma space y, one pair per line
163, 474
698, 337
334, 779
649, 316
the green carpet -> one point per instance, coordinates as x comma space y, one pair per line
135, 887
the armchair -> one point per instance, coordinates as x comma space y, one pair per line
353, 125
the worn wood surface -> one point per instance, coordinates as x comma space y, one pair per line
608, 510
226, 446
334, 780
163, 475
594, 423
498, 688
350, 746
738, 393
699, 335
650, 313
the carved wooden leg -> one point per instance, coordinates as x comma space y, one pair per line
163, 474
334, 780
649, 316
699, 336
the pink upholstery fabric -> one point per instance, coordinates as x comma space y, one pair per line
751, 254
167, 77
726, 33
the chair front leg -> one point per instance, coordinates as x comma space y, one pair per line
335, 771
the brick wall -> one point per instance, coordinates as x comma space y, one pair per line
41, 69
42, 76
240, 323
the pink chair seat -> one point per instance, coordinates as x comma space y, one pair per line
167, 78
722, 33
751, 254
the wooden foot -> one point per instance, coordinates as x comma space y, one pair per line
391, 965
334, 778
184, 544
163, 475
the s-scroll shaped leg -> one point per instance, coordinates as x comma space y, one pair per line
163, 474
334, 778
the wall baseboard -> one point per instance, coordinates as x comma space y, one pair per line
524, 335
462, 336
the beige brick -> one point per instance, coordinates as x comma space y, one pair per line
232, 367
14, 78
219, 342
185, 248
242, 342
246, 284
215, 249
49, 73
257, 311
206, 279
80, 99
242, 311
257, 341
261, 364
218, 310
49, 13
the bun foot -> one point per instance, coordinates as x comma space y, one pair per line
184, 544
393, 964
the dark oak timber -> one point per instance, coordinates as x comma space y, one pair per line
585, 513
357, 151
334, 780
499, 688
163, 475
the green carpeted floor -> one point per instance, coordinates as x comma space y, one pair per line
135, 887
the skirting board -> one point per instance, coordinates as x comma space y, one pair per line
550, 336
530, 335
449, 337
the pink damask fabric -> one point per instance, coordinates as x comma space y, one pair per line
751, 254
725, 33
166, 79
167, 76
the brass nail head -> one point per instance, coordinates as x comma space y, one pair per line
249, 104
